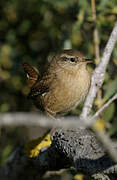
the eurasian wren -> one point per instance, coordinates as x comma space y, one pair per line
64, 84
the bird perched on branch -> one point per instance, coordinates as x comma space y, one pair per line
63, 85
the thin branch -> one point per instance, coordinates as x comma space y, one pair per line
107, 143
99, 73
104, 106
97, 51
102, 136
96, 37
36, 119
96, 83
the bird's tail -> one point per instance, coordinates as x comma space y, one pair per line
32, 75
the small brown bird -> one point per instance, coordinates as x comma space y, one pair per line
64, 84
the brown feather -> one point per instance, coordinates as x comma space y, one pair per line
31, 74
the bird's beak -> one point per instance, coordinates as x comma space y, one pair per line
88, 60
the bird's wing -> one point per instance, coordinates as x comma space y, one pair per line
42, 86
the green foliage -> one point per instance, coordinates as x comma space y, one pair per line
110, 90
109, 113
32, 30
5, 154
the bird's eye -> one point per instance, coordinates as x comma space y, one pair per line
72, 59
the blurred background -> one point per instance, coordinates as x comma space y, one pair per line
33, 31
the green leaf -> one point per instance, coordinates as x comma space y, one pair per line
113, 128
111, 90
109, 112
5, 153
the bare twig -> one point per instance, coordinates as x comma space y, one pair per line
104, 106
99, 73
36, 119
97, 81
107, 143
102, 136
96, 37
97, 51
